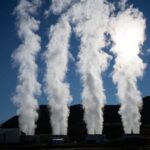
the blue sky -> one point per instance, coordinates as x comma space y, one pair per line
9, 41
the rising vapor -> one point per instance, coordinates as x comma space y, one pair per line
24, 56
57, 89
90, 19
127, 33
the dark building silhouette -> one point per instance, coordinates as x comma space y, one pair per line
76, 126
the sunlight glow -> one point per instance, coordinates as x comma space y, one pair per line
128, 38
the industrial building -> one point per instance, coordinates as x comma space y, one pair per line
77, 132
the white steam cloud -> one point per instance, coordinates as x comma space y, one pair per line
57, 89
90, 19
127, 33
25, 55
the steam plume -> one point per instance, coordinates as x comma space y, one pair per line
127, 32
90, 19
25, 55
57, 89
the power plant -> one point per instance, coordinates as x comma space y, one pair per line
99, 25
113, 133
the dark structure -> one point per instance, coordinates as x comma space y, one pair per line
9, 135
58, 139
95, 139
77, 128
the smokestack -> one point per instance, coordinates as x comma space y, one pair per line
24, 56
127, 33
56, 87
